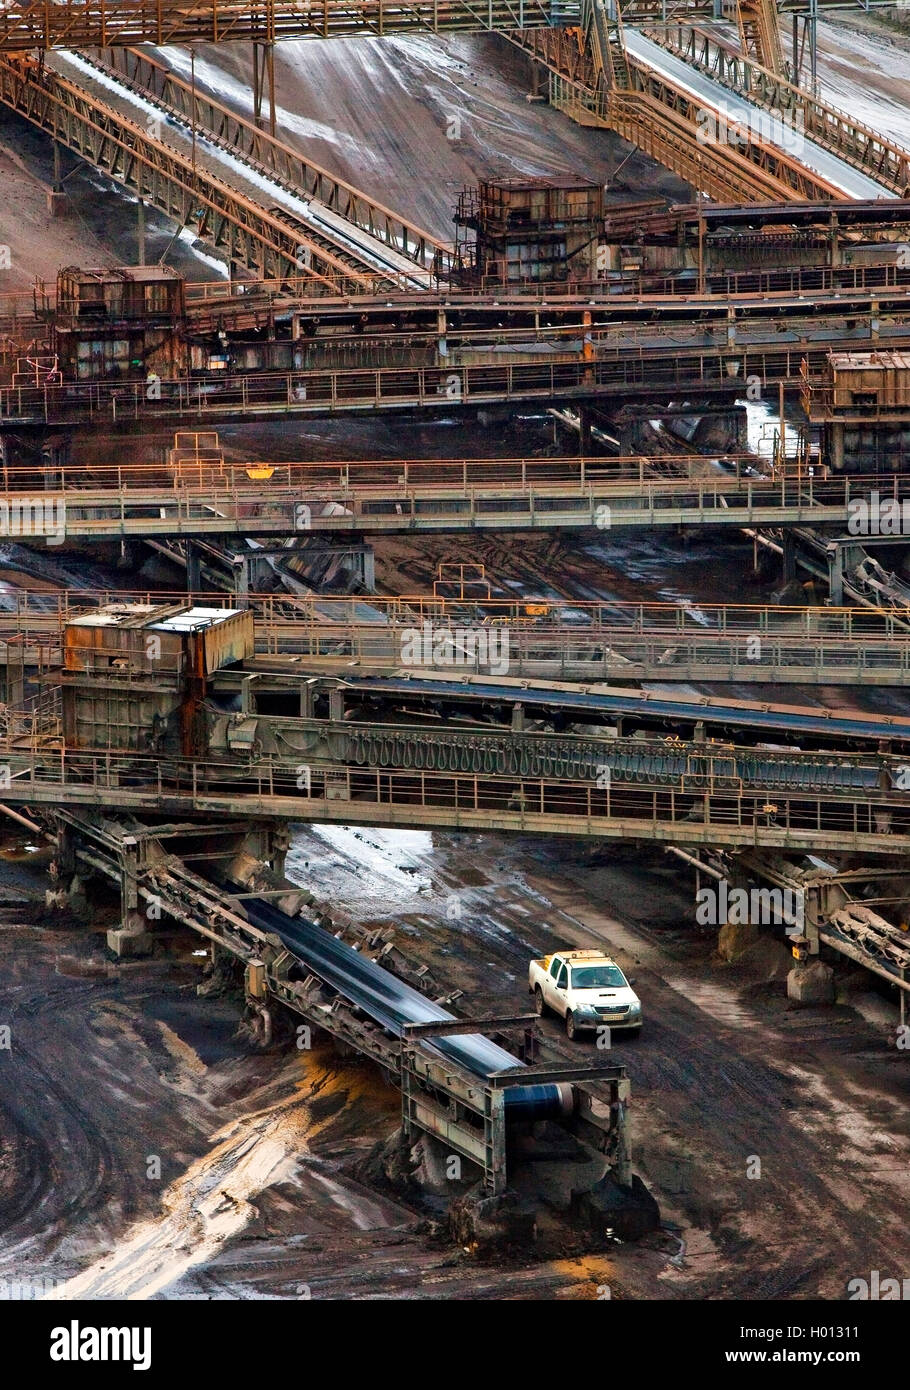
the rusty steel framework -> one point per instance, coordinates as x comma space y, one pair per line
661, 118
593, 78
597, 82
759, 35
103, 23
207, 401
152, 79
246, 233
152, 864
850, 139
551, 640
100, 23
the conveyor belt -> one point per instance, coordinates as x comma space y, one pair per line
737, 110
349, 243
606, 700
390, 1002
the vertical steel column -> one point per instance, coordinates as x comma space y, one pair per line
264, 79
494, 1125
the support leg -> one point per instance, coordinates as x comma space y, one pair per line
193, 568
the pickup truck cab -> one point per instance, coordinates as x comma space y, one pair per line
586, 988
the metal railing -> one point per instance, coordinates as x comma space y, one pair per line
644, 372
796, 820
104, 23
556, 640
437, 495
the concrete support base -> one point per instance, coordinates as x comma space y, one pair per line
626, 1213
127, 942
811, 983
479, 1221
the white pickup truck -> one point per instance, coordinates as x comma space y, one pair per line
586, 988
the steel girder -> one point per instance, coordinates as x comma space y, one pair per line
244, 232
103, 23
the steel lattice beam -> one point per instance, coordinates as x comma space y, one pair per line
245, 232
106, 23
848, 138
153, 80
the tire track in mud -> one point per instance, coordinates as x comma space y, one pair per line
53, 1130
64, 1085
67, 1133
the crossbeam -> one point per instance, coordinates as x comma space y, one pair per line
107, 23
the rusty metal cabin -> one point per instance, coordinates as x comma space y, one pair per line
122, 324
134, 674
862, 407
530, 230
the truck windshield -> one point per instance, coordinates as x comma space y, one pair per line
598, 977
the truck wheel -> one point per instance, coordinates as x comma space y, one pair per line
540, 1007
570, 1026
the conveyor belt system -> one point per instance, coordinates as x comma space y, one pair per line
606, 700
390, 1002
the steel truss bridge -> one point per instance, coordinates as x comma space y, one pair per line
433, 495
277, 740
106, 23
565, 641
665, 807
210, 400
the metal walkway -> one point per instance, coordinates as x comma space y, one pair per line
444, 495
565, 641
553, 376
665, 811
117, 23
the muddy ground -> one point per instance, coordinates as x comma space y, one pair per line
113, 1066
147, 1149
